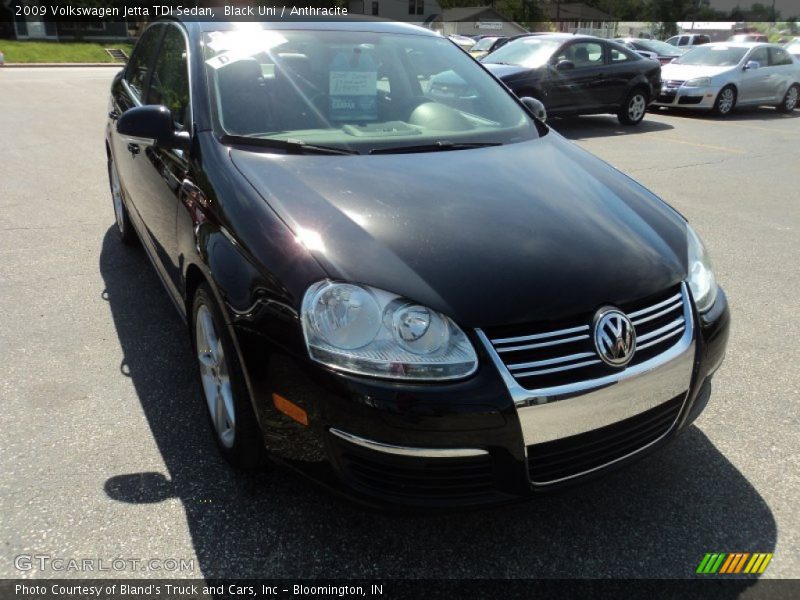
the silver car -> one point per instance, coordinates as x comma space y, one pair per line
724, 75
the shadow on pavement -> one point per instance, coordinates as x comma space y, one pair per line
587, 127
763, 114
655, 519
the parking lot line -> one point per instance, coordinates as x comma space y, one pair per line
707, 146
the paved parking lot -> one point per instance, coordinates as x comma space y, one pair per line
104, 447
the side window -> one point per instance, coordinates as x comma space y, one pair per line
760, 56
619, 55
169, 84
583, 54
779, 57
683, 40
139, 65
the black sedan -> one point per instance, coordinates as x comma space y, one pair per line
576, 75
411, 300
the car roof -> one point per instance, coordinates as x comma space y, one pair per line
555, 36
344, 23
740, 44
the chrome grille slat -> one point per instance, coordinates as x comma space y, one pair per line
662, 338
550, 361
544, 344
558, 369
542, 364
656, 332
539, 336
661, 313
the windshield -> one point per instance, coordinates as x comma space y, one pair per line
529, 52
713, 56
657, 46
484, 43
361, 91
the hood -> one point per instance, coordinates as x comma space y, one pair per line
506, 72
533, 231
687, 72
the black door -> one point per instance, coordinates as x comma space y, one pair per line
574, 89
162, 170
128, 93
621, 68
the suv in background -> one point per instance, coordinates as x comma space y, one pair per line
688, 40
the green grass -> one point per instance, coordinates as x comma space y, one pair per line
59, 52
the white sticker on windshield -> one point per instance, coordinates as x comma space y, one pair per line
353, 87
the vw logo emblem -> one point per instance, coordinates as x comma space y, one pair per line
614, 337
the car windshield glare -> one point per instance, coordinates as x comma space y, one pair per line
713, 56
361, 91
526, 52
484, 43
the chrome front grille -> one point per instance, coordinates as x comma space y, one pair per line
672, 83
545, 358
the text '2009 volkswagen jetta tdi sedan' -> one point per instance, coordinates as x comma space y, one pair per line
416, 300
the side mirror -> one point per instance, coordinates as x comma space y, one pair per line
565, 65
751, 65
536, 107
152, 124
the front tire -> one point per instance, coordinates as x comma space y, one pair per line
233, 421
790, 100
123, 220
726, 101
633, 110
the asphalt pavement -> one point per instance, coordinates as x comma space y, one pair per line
105, 451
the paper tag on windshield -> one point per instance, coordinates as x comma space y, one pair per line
354, 95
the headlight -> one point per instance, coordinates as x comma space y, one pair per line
367, 331
701, 276
698, 82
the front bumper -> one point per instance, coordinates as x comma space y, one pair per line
474, 442
687, 97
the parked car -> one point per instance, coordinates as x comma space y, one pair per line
793, 47
462, 41
576, 74
661, 51
722, 76
412, 303
642, 53
749, 37
487, 44
688, 40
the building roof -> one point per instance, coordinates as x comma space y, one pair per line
470, 13
576, 11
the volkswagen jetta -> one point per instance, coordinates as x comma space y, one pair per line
414, 299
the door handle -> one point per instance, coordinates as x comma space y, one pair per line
133, 148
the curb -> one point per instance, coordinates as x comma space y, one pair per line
63, 65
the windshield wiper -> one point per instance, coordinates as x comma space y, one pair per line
439, 146
291, 146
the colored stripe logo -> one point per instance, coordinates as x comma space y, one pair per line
731, 563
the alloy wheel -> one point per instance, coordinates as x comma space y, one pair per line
637, 107
790, 103
215, 376
726, 99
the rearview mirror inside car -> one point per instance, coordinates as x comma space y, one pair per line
152, 124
